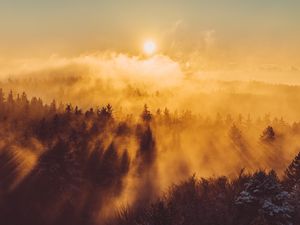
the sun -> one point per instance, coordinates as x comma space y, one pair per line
149, 47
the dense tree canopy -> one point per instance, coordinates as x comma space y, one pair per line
60, 164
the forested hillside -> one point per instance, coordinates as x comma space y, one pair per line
60, 164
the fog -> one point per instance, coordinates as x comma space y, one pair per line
128, 82
165, 124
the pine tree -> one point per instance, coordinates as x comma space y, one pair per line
105, 113
1, 97
294, 200
24, 103
10, 98
236, 135
292, 173
146, 115
10, 102
263, 199
53, 106
69, 108
268, 135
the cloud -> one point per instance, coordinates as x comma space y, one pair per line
93, 79
129, 82
105, 66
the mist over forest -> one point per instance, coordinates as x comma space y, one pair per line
79, 147
135, 112
129, 82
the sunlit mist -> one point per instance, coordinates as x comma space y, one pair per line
150, 112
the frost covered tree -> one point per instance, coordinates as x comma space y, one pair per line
292, 173
263, 201
295, 202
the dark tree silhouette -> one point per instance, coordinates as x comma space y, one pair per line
292, 173
268, 134
264, 201
146, 115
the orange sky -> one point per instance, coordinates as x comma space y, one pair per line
203, 35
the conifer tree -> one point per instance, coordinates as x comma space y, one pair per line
146, 115
268, 135
263, 199
292, 173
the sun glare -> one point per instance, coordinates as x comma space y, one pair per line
149, 47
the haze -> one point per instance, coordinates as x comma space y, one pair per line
150, 112
248, 36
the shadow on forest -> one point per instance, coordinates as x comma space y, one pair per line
60, 165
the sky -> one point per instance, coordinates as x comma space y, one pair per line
214, 34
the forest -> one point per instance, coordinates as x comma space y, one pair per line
61, 164
138, 112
